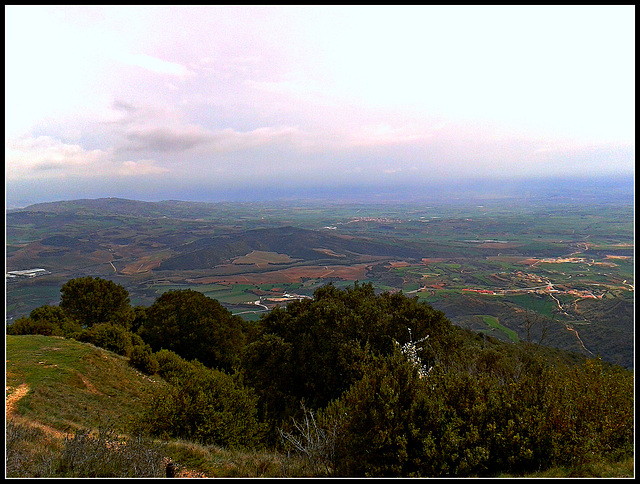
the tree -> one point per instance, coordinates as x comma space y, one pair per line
195, 327
94, 300
314, 348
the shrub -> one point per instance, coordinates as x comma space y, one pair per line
312, 444
25, 325
172, 367
45, 320
376, 419
589, 414
112, 337
203, 405
142, 358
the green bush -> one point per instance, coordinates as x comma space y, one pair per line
112, 337
172, 367
312, 350
376, 419
589, 414
203, 405
26, 325
487, 414
45, 320
141, 357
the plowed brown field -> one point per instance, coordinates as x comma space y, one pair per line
292, 274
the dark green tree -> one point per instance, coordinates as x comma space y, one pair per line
94, 300
195, 327
140, 314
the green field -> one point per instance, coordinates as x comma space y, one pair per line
493, 323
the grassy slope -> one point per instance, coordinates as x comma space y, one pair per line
56, 386
73, 385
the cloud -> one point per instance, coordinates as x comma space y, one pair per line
231, 140
140, 167
165, 139
44, 157
383, 134
153, 64
178, 139
291, 84
162, 129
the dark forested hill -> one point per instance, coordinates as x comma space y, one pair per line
297, 243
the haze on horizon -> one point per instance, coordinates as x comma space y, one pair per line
172, 102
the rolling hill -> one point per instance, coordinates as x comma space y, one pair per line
569, 264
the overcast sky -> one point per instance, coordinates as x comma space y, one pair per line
154, 103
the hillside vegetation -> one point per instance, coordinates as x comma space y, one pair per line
348, 383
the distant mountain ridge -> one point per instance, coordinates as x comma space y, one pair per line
117, 206
560, 189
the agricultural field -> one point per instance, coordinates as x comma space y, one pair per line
558, 272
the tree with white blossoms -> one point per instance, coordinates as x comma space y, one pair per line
410, 350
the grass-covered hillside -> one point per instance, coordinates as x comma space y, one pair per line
69, 385
67, 402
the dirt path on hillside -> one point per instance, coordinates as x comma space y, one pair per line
15, 394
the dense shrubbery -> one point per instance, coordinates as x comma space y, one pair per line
458, 420
397, 389
142, 358
313, 349
46, 320
202, 404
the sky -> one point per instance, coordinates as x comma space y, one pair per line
200, 103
